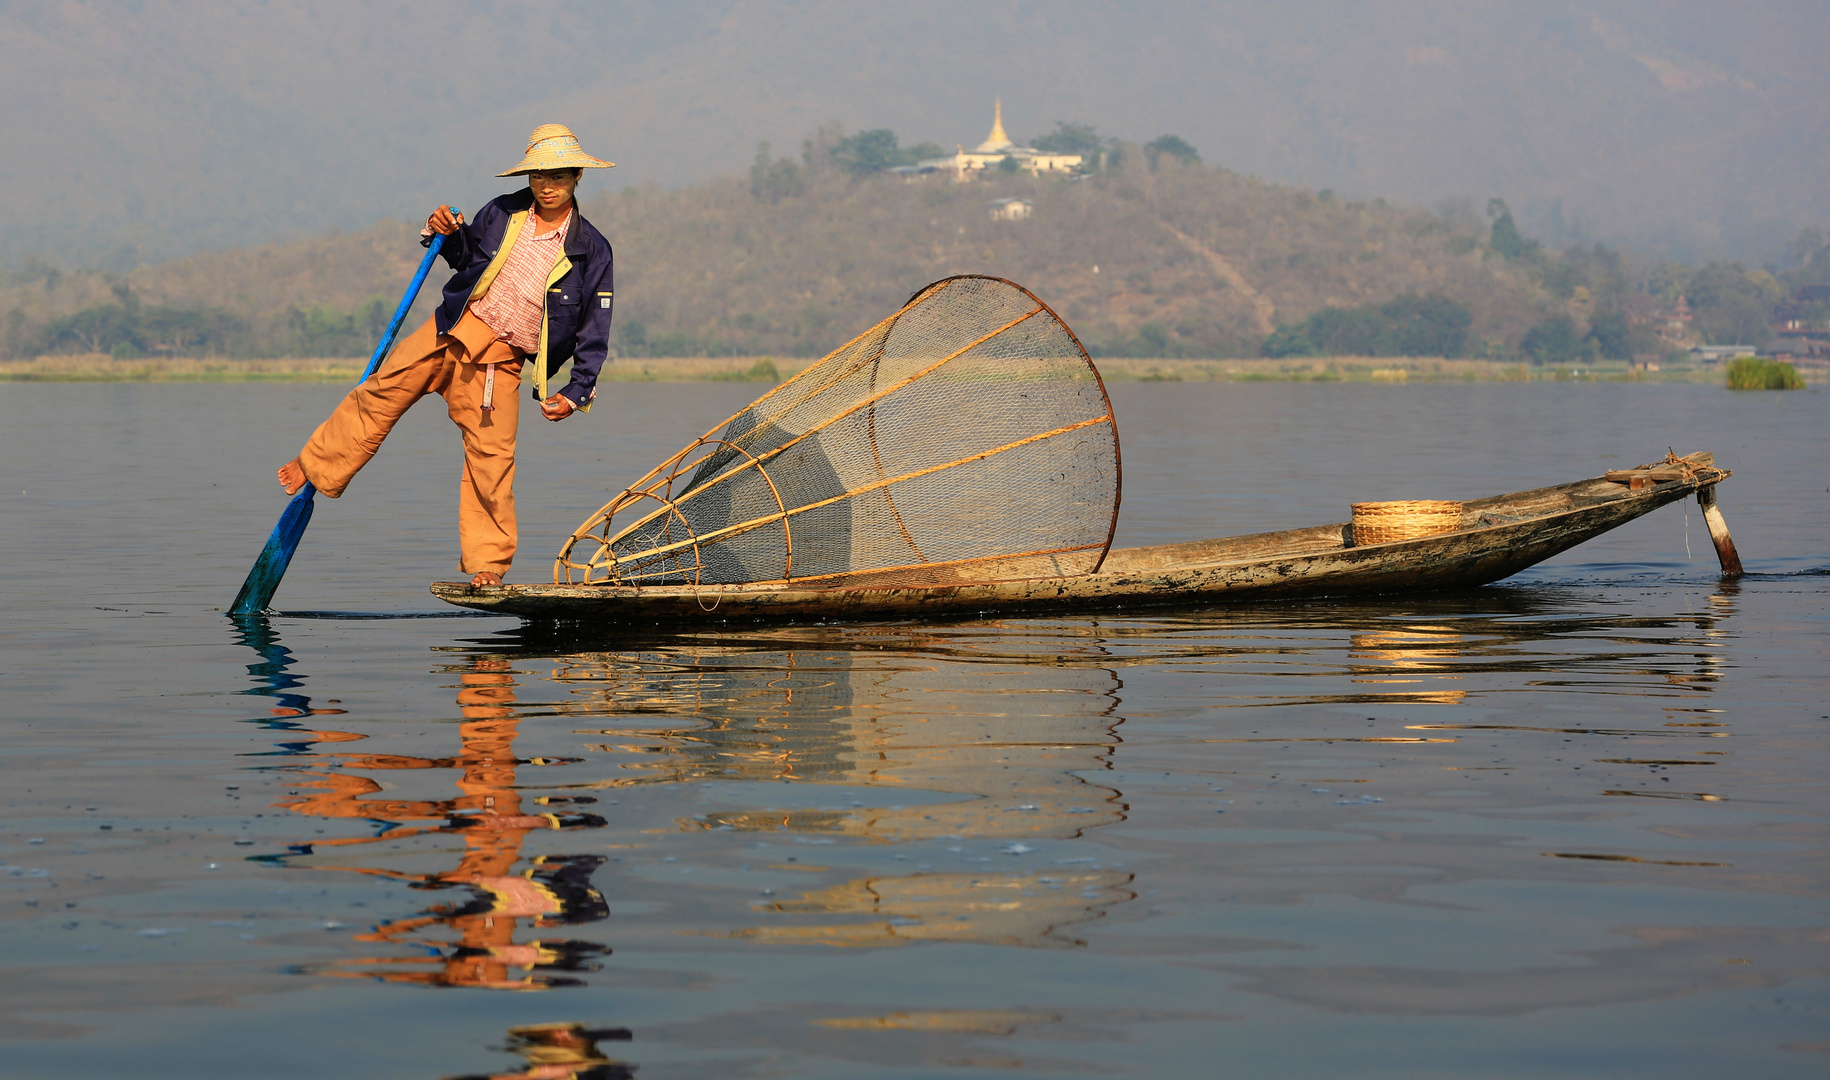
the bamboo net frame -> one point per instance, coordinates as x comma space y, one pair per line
967, 437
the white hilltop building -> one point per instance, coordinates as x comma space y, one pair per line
1011, 209
965, 164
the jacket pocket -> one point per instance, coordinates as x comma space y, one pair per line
562, 314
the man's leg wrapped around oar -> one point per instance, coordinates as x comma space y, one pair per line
455, 367
345, 442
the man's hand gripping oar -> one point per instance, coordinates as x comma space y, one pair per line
264, 579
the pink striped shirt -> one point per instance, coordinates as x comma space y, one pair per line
516, 301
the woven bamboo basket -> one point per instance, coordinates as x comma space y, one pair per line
1388, 522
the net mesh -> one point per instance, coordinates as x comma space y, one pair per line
967, 437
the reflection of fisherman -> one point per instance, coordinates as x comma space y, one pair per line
533, 279
562, 1052
555, 890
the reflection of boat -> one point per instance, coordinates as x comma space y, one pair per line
998, 755
1409, 657
996, 908
1500, 536
882, 747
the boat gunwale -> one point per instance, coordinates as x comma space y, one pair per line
788, 599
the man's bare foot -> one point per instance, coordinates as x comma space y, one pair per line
485, 577
292, 478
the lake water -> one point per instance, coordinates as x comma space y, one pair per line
1574, 824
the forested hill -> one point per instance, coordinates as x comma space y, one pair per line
1174, 261
1179, 261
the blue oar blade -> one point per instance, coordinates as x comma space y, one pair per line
264, 580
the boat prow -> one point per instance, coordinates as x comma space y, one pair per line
1498, 537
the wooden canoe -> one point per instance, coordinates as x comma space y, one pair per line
1499, 537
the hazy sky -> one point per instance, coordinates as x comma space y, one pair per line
148, 129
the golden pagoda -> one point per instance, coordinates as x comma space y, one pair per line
967, 164
997, 142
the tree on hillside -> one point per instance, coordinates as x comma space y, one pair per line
1555, 341
326, 330
126, 328
1612, 335
1598, 269
817, 148
1407, 325
876, 150
1070, 137
1173, 147
100, 329
1811, 255
1609, 335
13, 339
1506, 241
34, 267
1810, 246
773, 181
1431, 325
867, 152
1733, 305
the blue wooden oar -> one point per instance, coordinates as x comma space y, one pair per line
257, 592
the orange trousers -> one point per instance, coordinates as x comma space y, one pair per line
453, 367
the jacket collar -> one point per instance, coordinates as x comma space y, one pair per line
575, 239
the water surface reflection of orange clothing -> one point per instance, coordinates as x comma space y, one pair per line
555, 890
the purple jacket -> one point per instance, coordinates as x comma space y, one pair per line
578, 305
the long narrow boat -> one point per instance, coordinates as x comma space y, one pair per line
1499, 537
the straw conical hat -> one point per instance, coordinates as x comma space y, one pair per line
553, 146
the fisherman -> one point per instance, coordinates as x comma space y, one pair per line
533, 280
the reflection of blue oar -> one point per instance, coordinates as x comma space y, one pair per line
257, 591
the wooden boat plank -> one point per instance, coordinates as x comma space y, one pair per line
1528, 527
1661, 471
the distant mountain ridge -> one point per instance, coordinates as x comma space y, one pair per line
149, 130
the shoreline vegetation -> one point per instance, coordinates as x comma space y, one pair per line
101, 368
1753, 373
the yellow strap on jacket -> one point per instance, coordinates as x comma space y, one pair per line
495, 265
539, 374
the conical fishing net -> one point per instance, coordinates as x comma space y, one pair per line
966, 438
